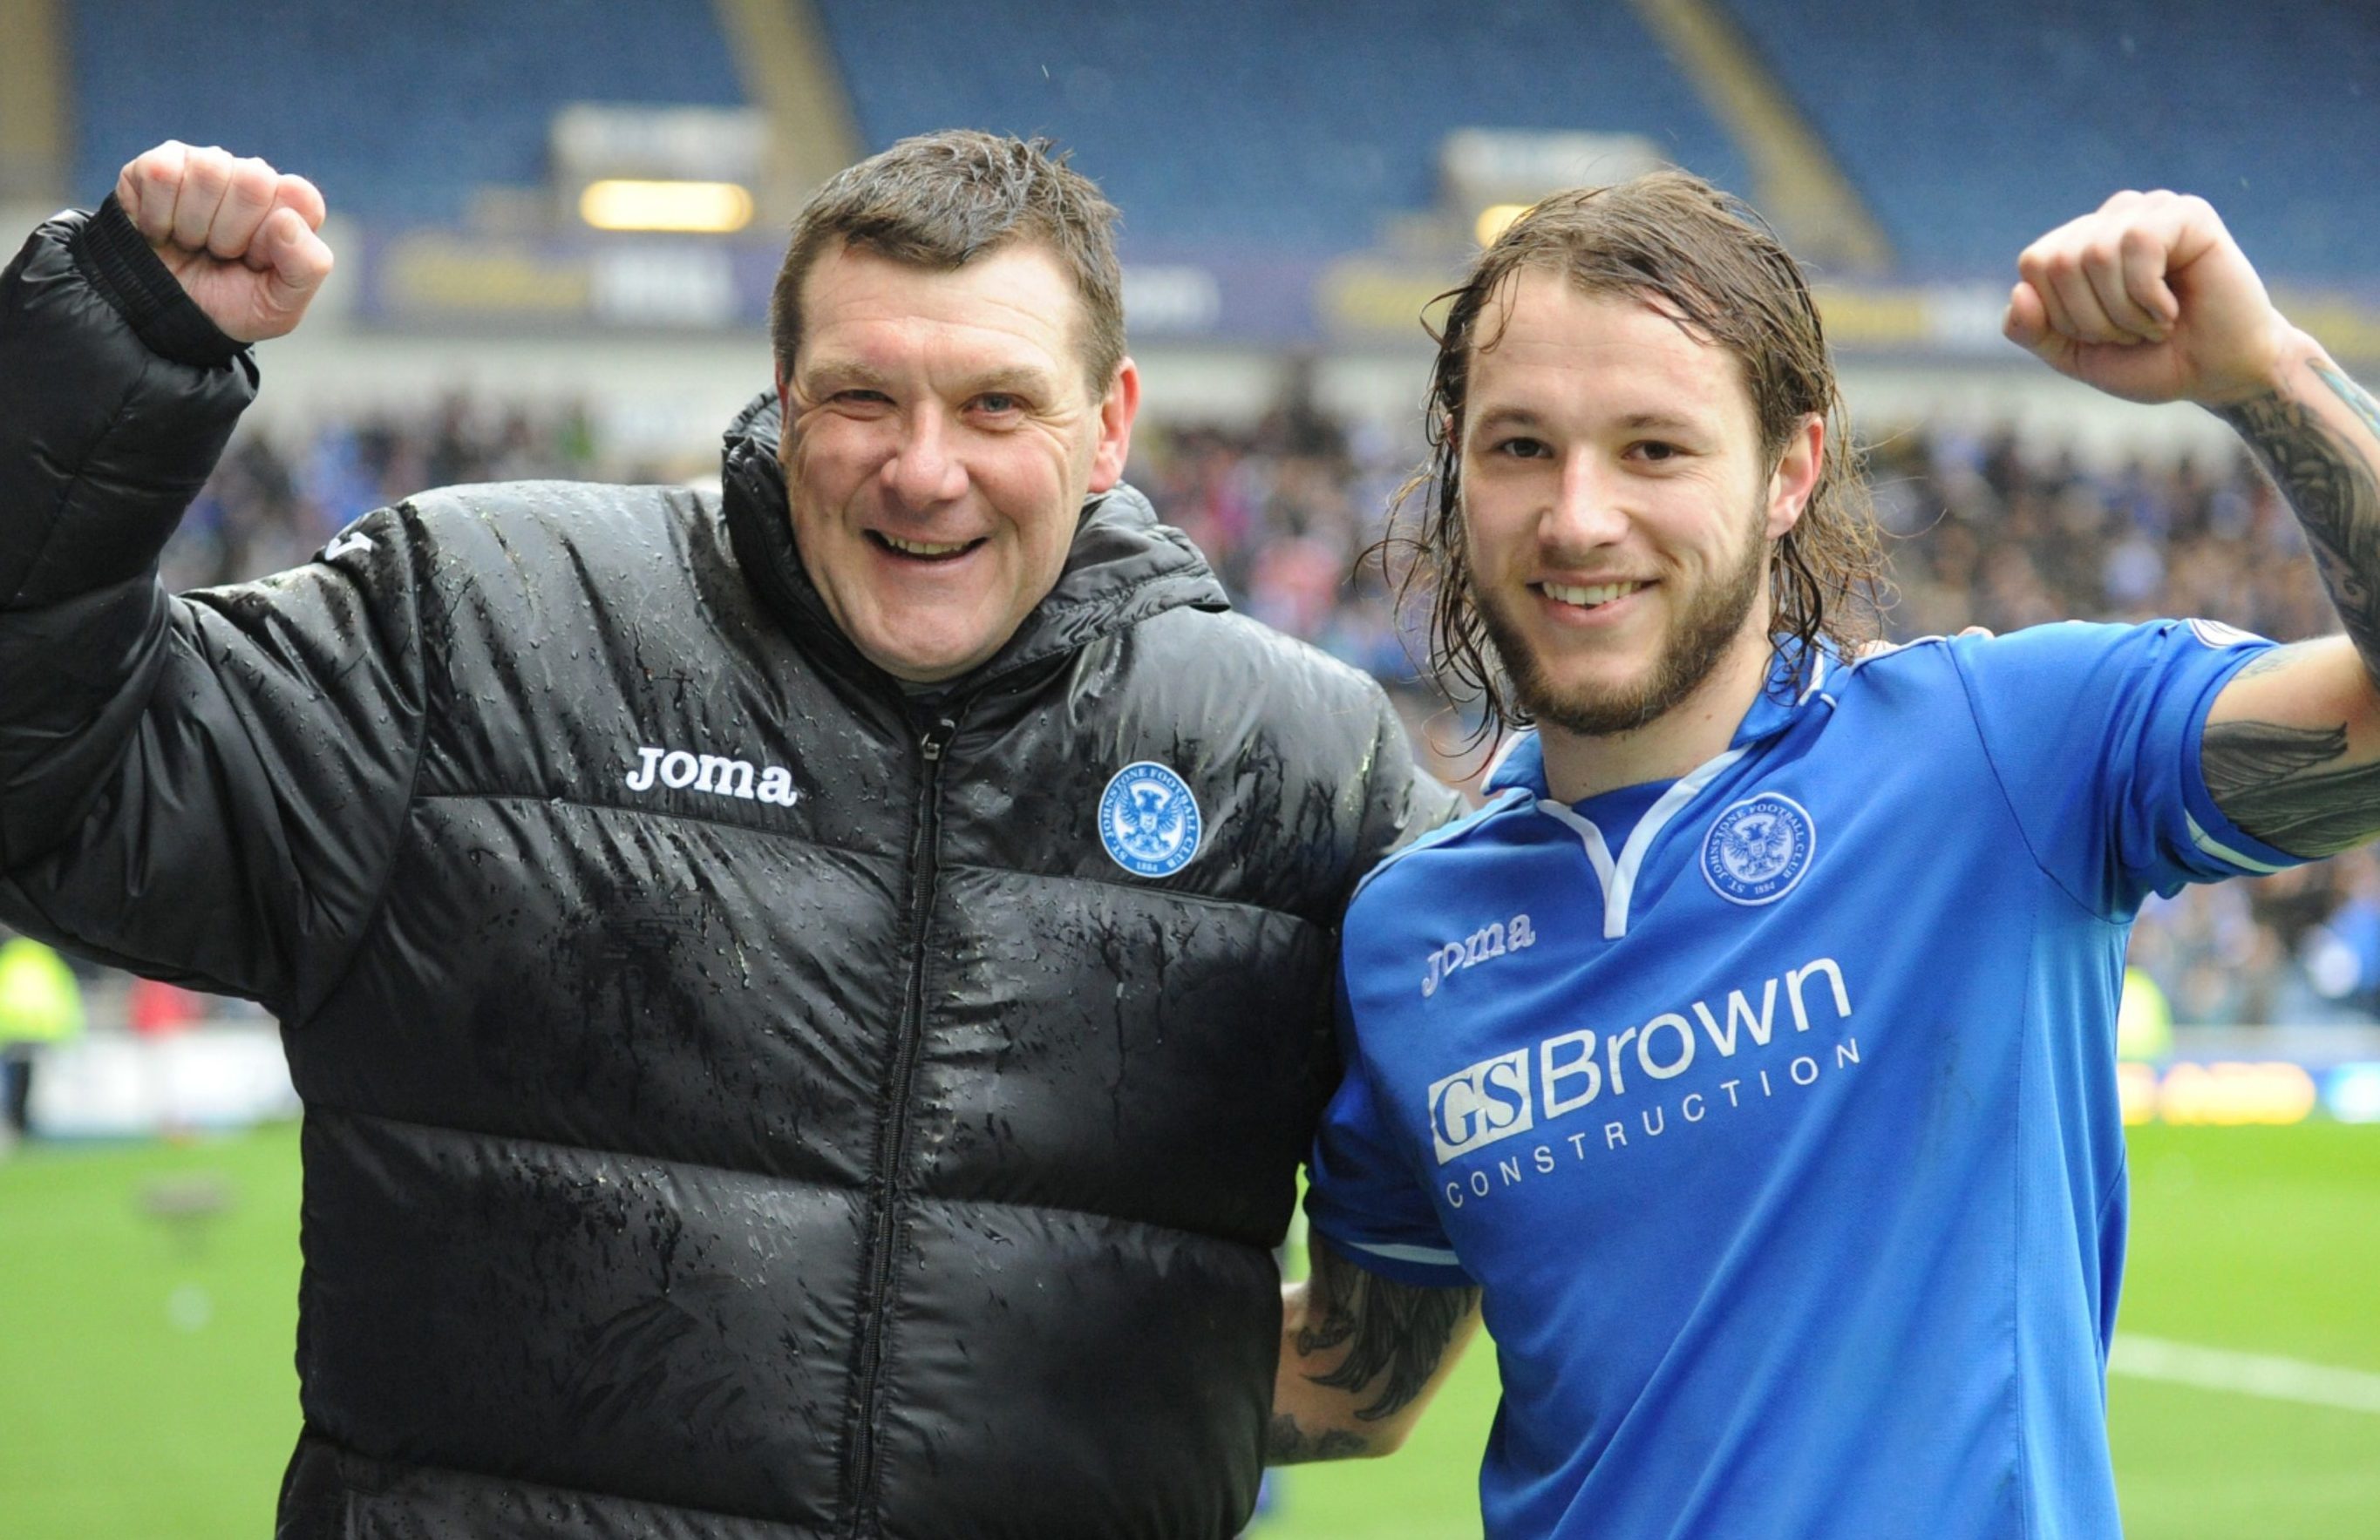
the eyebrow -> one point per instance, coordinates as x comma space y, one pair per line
1670, 420
848, 373
1505, 417
1017, 380
1523, 417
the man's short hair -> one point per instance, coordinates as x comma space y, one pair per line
939, 201
1709, 262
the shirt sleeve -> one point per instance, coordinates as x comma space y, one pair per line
2093, 731
1361, 1195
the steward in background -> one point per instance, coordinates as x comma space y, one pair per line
39, 1004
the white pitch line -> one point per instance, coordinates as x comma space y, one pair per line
2248, 1374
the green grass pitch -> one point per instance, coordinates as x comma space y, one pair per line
146, 1387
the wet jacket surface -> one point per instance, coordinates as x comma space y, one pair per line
743, 1099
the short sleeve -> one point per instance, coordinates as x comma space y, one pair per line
1361, 1195
2094, 732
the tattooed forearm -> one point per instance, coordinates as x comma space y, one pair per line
1288, 1443
2296, 788
2358, 399
2268, 779
1394, 1334
2330, 484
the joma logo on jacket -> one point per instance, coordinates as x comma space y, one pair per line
679, 771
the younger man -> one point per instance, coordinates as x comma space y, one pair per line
1753, 1047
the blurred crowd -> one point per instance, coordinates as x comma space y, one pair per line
271, 504
1981, 529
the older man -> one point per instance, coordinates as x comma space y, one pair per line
808, 1002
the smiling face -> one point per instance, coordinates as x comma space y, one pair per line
940, 440
1618, 509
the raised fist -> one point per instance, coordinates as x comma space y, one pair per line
239, 236
2150, 300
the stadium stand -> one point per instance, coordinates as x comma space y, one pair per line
404, 110
1988, 124
1301, 135
1205, 129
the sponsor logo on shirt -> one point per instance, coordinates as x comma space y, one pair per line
1480, 1104
1531, 1086
1492, 940
713, 775
1758, 849
1148, 820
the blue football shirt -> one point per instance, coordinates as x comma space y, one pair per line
1782, 1134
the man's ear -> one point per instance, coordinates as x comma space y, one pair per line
1117, 410
1796, 476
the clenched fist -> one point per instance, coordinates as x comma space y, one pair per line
239, 236
2150, 300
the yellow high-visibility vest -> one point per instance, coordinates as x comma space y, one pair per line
40, 1001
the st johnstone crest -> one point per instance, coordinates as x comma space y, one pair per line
1148, 820
1758, 849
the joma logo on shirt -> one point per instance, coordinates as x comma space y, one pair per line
679, 771
1492, 940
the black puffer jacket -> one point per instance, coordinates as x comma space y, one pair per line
741, 1100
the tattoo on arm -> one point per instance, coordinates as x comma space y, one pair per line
2268, 779
1288, 1443
2357, 398
2330, 484
2282, 783
1395, 1334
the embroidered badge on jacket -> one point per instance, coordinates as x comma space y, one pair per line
1148, 820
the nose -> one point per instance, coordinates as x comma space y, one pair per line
925, 469
1587, 509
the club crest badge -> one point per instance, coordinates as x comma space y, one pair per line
1148, 820
1758, 849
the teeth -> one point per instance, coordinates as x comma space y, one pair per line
922, 548
1587, 597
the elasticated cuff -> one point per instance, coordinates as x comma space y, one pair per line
115, 257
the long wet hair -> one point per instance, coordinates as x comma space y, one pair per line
1709, 262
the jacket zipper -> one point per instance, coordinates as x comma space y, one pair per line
892, 1133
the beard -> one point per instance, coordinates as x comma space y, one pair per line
1695, 643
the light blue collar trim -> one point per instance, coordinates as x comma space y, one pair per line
1617, 878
